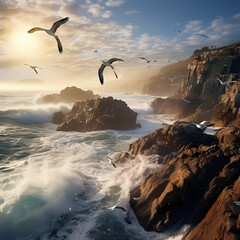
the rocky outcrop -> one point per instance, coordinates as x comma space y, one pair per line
196, 185
209, 99
70, 95
169, 79
99, 114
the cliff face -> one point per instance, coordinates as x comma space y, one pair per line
196, 185
161, 84
209, 98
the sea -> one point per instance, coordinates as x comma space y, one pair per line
60, 185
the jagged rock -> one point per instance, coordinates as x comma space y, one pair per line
179, 134
222, 220
58, 117
193, 183
70, 95
99, 114
209, 99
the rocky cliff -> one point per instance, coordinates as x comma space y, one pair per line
209, 98
196, 185
168, 80
70, 95
99, 114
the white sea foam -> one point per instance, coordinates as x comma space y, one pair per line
60, 183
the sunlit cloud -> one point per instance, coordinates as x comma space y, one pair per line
115, 3
130, 12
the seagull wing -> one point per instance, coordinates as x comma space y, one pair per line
121, 208
57, 24
27, 64
203, 35
35, 70
113, 164
144, 58
114, 60
36, 29
115, 74
100, 73
59, 44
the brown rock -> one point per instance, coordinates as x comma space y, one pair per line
58, 117
70, 95
99, 114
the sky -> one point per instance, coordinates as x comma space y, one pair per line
126, 29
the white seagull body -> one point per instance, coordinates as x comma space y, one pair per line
111, 161
107, 64
226, 84
52, 31
236, 202
186, 101
33, 67
203, 125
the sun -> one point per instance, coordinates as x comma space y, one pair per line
22, 44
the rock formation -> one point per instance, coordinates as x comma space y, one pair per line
197, 184
70, 95
99, 114
209, 99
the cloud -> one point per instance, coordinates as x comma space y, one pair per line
115, 3
98, 11
193, 26
130, 12
236, 16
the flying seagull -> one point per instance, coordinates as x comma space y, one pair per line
52, 31
111, 161
127, 218
174, 84
186, 101
107, 64
236, 202
118, 207
203, 35
148, 61
33, 67
226, 84
203, 125
177, 31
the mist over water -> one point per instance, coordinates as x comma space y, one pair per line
59, 185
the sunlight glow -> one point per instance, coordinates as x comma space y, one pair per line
22, 44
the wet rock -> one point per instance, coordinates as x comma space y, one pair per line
99, 114
201, 177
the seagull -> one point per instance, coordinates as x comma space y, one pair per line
203, 35
33, 67
226, 84
52, 31
186, 101
177, 31
118, 207
174, 84
203, 125
96, 51
127, 218
236, 202
111, 161
107, 64
148, 61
